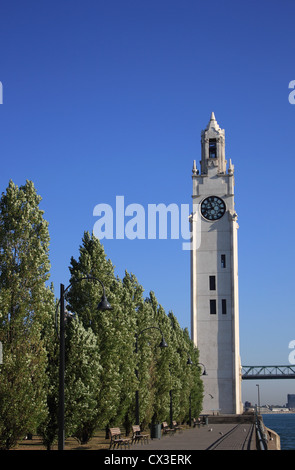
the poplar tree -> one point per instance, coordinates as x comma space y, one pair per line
83, 298
161, 376
25, 303
48, 427
194, 378
82, 380
179, 371
143, 359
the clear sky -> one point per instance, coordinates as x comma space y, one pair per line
106, 98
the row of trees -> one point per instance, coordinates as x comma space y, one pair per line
100, 346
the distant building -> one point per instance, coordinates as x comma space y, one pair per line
291, 400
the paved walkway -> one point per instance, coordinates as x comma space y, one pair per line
209, 437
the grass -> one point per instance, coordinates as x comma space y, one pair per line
98, 442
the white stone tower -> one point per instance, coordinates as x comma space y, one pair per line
214, 275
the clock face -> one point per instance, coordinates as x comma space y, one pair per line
213, 208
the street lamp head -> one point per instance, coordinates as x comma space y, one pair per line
190, 362
204, 371
163, 343
104, 304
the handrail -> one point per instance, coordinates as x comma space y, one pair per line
261, 433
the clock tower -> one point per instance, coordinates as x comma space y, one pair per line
214, 275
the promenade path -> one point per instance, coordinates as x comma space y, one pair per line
215, 436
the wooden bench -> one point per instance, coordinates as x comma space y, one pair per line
176, 426
198, 422
166, 429
137, 436
117, 440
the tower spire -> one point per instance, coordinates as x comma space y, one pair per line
213, 154
213, 123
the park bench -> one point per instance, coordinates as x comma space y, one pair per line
176, 426
166, 429
197, 422
117, 440
137, 436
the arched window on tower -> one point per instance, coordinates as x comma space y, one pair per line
212, 148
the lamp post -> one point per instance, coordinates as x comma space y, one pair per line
190, 363
162, 344
258, 391
103, 305
171, 409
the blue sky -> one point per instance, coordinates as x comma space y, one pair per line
108, 98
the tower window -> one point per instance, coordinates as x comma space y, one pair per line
212, 148
223, 305
213, 307
223, 261
212, 283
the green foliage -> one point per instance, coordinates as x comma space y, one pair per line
82, 381
25, 303
142, 361
159, 370
100, 379
195, 382
113, 329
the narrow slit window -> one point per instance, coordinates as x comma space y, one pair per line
223, 261
223, 305
213, 307
212, 283
212, 148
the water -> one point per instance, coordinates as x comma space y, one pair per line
284, 426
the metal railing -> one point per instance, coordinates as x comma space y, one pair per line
261, 434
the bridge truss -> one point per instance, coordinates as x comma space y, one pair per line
268, 372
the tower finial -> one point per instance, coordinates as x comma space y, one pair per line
195, 171
212, 123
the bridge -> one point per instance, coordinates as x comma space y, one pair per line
268, 372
